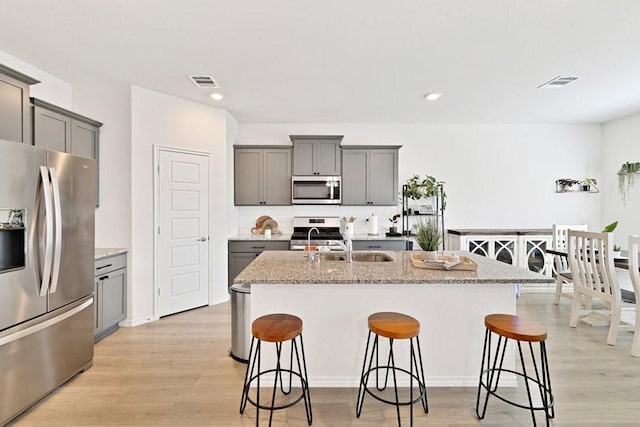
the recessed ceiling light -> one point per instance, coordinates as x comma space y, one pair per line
433, 96
217, 96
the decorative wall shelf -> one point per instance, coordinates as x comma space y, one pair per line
566, 185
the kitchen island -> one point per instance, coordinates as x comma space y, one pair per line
334, 299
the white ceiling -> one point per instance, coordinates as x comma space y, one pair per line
349, 61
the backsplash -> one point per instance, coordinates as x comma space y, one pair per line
284, 215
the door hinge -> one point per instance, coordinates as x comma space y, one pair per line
158, 168
158, 230
158, 291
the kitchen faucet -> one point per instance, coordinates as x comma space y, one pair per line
309, 241
346, 247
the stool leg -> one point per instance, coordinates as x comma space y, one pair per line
290, 374
421, 381
386, 374
395, 381
247, 376
490, 386
304, 380
546, 377
259, 345
363, 382
275, 380
526, 383
412, 357
487, 344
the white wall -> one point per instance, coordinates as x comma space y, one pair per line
497, 176
159, 119
620, 144
50, 88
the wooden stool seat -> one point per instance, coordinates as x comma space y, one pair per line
394, 325
516, 328
277, 327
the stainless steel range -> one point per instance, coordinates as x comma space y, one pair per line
327, 234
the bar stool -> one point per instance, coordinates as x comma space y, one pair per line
394, 326
508, 326
276, 328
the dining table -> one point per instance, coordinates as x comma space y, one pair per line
621, 261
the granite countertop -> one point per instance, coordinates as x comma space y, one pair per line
287, 236
500, 231
259, 237
105, 252
291, 267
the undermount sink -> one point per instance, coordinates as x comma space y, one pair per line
371, 257
357, 256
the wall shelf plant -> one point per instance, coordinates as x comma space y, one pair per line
568, 185
626, 178
430, 198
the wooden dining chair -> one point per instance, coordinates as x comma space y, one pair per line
590, 257
563, 274
634, 247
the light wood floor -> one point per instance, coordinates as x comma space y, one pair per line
176, 371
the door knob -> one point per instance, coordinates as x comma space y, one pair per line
203, 239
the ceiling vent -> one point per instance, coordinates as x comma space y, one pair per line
558, 81
204, 81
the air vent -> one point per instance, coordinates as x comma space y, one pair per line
558, 81
204, 81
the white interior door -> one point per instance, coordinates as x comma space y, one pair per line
182, 268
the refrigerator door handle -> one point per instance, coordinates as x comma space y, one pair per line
57, 210
46, 269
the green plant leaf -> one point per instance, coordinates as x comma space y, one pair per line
610, 227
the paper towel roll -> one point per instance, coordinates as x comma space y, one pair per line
372, 224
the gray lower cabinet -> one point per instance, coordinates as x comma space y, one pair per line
242, 252
262, 175
317, 155
380, 245
62, 130
370, 175
110, 301
15, 117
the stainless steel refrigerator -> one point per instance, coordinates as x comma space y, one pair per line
46, 272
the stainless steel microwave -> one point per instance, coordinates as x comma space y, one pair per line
316, 190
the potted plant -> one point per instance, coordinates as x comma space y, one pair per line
394, 220
418, 188
588, 183
564, 184
626, 178
428, 237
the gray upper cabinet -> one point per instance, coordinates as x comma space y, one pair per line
370, 176
56, 128
15, 118
317, 155
262, 175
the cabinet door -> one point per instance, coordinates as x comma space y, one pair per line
504, 250
382, 176
14, 110
238, 262
113, 298
354, 177
51, 130
478, 245
327, 158
535, 257
84, 142
248, 176
277, 177
303, 158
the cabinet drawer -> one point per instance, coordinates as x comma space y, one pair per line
258, 245
380, 245
111, 263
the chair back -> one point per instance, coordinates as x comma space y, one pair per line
560, 243
590, 258
634, 247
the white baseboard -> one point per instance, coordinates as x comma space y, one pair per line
129, 323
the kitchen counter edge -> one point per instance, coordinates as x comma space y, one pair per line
107, 252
